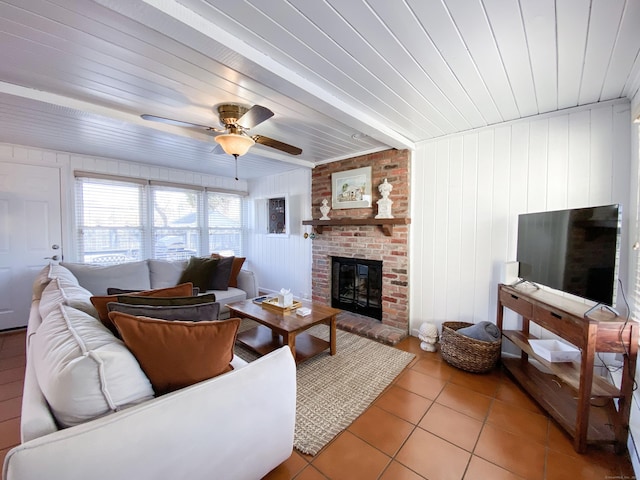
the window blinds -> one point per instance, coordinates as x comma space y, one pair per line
123, 220
110, 219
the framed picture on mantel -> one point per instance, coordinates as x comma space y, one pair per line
351, 188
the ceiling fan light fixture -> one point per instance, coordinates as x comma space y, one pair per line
235, 144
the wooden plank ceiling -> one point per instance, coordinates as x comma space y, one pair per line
342, 77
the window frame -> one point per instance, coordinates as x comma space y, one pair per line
148, 201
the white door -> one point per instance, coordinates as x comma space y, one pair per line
30, 231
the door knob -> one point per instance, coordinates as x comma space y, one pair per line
55, 257
55, 246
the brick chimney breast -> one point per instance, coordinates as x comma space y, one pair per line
367, 242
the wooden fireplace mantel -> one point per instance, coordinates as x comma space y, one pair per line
386, 224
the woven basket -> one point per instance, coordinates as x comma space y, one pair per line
467, 353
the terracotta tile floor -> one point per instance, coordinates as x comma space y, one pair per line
434, 422
439, 423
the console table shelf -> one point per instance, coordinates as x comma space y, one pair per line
581, 402
386, 224
560, 401
568, 372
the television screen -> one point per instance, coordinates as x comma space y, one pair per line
574, 250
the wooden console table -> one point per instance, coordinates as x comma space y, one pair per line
581, 402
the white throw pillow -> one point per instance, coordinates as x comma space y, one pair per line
165, 274
98, 278
83, 371
60, 291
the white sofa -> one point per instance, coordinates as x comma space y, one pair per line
148, 274
238, 425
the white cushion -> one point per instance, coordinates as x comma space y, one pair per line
60, 291
84, 371
228, 296
41, 281
98, 278
58, 271
165, 274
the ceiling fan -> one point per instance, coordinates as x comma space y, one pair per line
237, 120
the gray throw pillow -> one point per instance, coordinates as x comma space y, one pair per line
166, 301
222, 274
193, 313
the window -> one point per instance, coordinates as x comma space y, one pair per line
125, 220
177, 223
110, 221
225, 220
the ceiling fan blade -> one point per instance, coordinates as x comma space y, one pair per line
270, 142
254, 116
178, 123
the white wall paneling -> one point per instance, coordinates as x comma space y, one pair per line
469, 189
68, 163
282, 261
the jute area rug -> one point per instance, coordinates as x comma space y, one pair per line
332, 391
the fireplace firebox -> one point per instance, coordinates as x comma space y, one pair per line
356, 286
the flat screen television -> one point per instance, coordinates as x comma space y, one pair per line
575, 251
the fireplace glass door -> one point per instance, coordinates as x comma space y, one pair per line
356, 286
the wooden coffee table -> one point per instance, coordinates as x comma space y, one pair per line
278, 329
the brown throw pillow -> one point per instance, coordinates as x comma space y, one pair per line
175, 354
235, 270
100, 302
199, 271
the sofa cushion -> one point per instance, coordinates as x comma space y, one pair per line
97, 278
40, 282
221, 274
195, 313
58, 271
164, 273
230, 295
176, 354
100, 302
199, 271
61, 291
83, 371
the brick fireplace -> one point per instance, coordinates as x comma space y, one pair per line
367, 242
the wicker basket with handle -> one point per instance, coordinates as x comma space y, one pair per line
467, 353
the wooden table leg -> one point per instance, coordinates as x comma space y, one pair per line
290, 339
332, 335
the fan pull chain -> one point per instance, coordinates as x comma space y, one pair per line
236, 157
